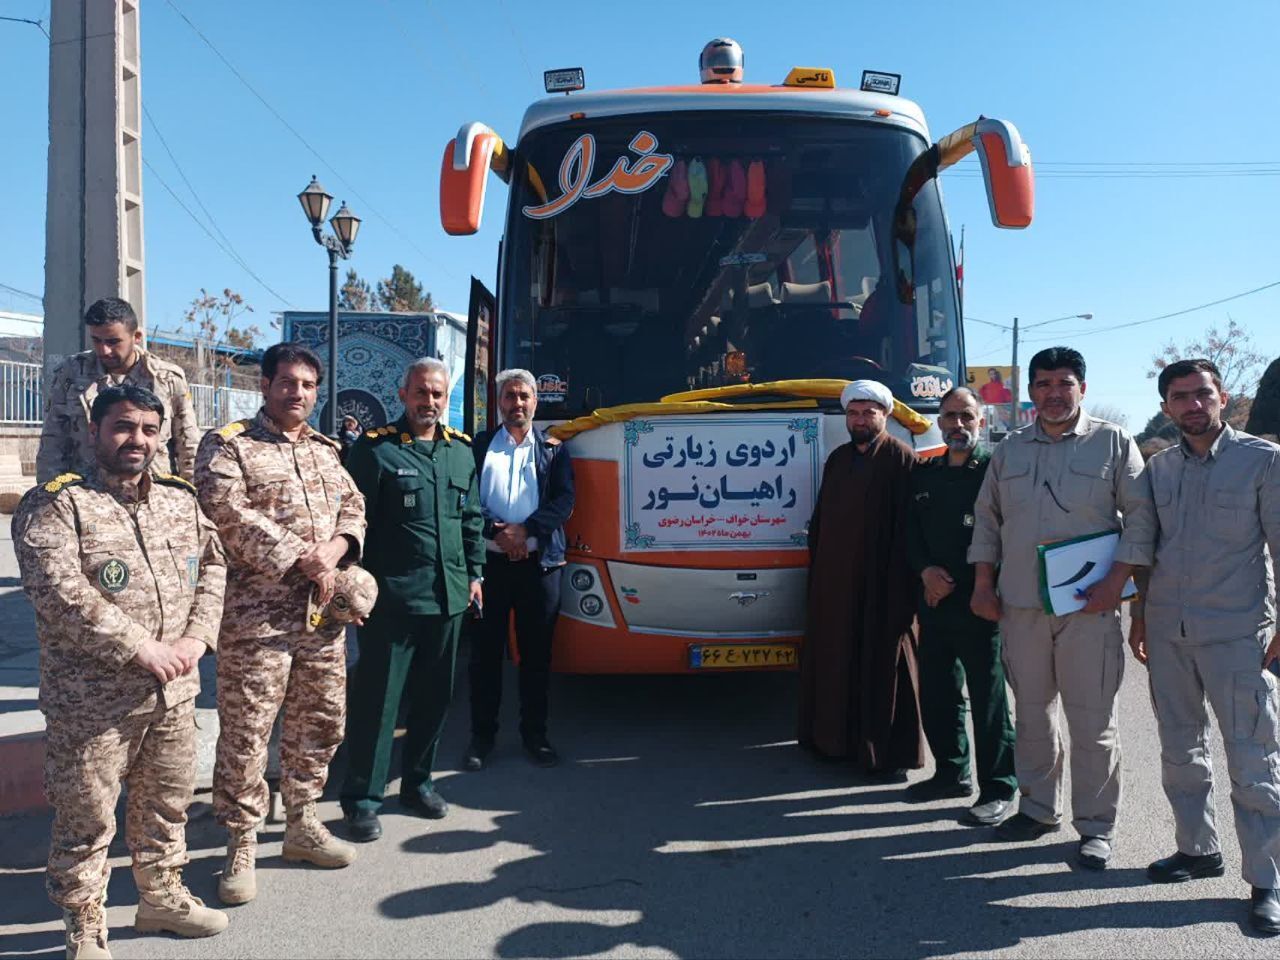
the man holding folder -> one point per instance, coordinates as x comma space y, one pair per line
1067, 475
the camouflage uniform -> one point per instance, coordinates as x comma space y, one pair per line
272, 499
104, 574
65, 444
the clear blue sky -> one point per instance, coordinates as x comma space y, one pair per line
378, 86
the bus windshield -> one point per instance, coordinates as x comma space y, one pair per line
673, 252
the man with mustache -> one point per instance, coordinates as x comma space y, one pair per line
858, 688
117, 358
1066, 475
126, 576
1206, 629
418, 478
288, 515
957, 646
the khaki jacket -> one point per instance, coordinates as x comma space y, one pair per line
104, 574
65, 446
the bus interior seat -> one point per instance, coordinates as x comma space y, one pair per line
819, 292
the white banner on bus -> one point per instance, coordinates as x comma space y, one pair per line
726, 482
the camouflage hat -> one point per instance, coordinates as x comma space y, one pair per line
354, 593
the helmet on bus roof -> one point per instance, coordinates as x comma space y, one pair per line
721, 61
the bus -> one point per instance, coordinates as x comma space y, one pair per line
692, 274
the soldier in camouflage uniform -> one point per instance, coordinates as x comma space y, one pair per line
117, 357
288, 515
126, 576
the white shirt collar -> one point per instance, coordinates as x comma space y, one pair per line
509, 441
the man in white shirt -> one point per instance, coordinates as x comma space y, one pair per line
526, 495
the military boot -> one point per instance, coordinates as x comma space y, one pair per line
166, 905
306, 838
87, 932
237, 884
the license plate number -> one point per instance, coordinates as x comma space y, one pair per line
729, 655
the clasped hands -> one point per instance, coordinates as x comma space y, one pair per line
169, 661
512, 539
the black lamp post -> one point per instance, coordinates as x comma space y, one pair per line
345, 225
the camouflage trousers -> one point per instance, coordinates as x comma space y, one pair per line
154, 755
306, 674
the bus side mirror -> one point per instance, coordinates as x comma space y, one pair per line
1007, 172
464, 175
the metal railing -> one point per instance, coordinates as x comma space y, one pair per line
20, 393
22, 398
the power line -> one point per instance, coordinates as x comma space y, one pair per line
303, 140
1164, 316
506, 14
22, 293
199, 223
227, 245
35, 23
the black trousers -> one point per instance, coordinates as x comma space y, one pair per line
533, 592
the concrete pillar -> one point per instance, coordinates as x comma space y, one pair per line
93, 219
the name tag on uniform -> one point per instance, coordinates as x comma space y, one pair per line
462, 500
968, 520
410, 499
193, 570
406, 471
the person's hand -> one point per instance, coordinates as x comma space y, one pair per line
1138, 639
475, 594
1272, 653
938, 585
1103, 596
512, 539
324, 587
985, 603
163, 662
323, 558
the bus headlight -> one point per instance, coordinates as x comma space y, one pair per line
591, 605
582, 580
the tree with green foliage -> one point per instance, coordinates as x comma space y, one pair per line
356, 294
402, 293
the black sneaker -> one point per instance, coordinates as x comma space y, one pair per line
478, 751
1264, 911
937, 788
363, 826
541, 752
430, 804
1182, 867
1020, 828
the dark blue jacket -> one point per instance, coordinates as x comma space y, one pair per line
555, 493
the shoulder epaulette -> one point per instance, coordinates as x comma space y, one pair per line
62, 480
457, 435
233, 429
173, 480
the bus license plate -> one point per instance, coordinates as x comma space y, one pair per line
728, 655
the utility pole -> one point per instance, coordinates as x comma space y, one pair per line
1013, 378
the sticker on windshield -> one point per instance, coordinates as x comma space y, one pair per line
625, 177
930, 387
551, 389
743, 259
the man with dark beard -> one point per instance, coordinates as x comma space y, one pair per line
1206, 628
858, 695
956, 646
1066, 475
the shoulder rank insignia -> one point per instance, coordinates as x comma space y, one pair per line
370, 434
175, 481
456, 435
62, 480
406, 438
233, 428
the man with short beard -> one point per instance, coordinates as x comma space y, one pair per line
289, 516
126, 576
1066, 475
956, 646
418, 478
1206, 629
858, 687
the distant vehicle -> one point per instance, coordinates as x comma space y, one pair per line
692, 273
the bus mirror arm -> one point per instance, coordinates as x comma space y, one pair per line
464, 170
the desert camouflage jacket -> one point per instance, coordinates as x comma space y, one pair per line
272, 499
74, 384
106, 572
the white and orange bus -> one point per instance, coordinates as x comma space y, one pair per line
692, 273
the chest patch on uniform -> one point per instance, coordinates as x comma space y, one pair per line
462, 501
922, 496
193, 570
410, 499
113, 576
968, 520
406, 471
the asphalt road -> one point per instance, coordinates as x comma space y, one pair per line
685, 822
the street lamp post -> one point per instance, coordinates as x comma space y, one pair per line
345, 225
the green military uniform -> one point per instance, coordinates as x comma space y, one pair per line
424, 545
954, 643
